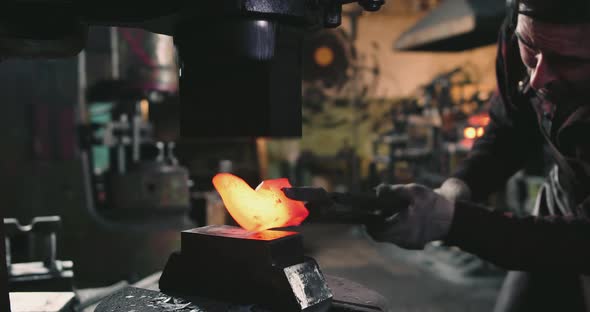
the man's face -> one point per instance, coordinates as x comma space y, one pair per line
558, 59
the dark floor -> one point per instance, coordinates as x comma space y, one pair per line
438, 279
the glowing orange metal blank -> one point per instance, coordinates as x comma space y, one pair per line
257, 210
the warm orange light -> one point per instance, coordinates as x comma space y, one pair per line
144, 108
470, 133
324, 56
480, 132
480, 120
466, 144
257, 210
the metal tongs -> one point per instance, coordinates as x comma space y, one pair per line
345, 208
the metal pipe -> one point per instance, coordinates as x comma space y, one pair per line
82, 82
121, 159
51, 253
8, 252
171, 157
161, 152
115, 59
136, 135
122, 141
4, 298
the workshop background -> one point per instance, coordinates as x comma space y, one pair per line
349, 100
94, 139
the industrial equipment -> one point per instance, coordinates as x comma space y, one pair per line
133, 175
251, 48
240, 61
455, 25
50, 274
223, 268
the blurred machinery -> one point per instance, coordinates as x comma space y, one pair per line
432, 132
97, 149
337, 83
133, 174
328, 58
455, 25
47, 275
251, 47
239, 75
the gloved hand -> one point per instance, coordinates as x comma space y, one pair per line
407, 215
454, 189
347, 208
427, 218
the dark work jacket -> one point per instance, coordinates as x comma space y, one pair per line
514, 137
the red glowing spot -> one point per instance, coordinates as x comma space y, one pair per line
257, 210
480, 120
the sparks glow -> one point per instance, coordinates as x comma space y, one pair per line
264, 208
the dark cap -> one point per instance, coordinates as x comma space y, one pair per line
556, 11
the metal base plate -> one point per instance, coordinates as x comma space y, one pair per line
348, 297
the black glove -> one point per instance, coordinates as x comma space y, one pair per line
407, 215
426, 219
347, 208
